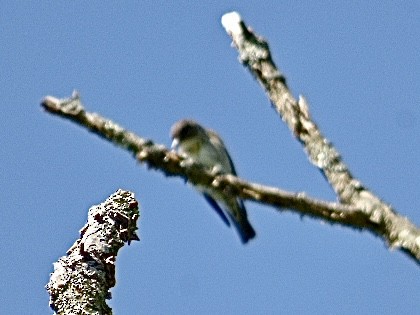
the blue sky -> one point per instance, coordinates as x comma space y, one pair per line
148, 65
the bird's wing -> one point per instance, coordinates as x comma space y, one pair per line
224, 156
217, 208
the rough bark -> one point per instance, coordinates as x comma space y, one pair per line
81, 280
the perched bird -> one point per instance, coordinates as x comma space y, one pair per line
204, 146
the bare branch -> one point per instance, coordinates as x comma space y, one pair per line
158, 157
81, 280
254, 53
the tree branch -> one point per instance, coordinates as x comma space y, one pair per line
156, 156
254, 53
81, 280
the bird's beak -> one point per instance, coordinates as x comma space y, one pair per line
175, 144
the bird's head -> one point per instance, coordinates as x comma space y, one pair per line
188, 136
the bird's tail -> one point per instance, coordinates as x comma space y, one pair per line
242, 225
246, 231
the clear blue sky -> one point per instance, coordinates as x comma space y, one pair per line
146, 66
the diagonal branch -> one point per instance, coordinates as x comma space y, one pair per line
254, 53
156, 156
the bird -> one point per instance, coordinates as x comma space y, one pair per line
204, 146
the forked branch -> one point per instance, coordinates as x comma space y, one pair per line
357, 207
